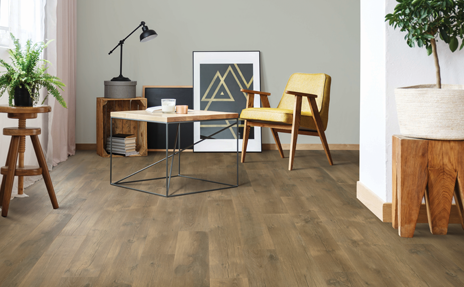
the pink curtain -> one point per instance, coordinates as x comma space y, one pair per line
62, 123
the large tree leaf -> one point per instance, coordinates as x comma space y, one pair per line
453, 44
444, 35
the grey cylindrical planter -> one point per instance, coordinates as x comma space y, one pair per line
120, 90
427, 112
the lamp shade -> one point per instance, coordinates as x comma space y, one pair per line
147, 34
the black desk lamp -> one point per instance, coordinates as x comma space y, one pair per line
146, 35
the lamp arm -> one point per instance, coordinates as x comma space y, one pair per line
122, 41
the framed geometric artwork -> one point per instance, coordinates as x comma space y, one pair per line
217, 80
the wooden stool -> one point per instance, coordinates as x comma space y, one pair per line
16, 151
430, 168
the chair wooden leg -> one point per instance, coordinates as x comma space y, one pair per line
9, 178
293, 146
320, 131
295, 128
246, 134
277, 141
326, 147
45, 173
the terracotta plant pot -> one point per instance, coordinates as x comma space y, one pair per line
22, 98
427, 112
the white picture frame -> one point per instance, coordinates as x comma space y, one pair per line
227, 71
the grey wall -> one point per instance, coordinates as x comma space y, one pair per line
308, 36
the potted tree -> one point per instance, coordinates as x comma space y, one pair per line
24, 77
431, 111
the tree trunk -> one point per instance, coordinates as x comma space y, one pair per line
437, 64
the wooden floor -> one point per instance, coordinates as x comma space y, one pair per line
279, 228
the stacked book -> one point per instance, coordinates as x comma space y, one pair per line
123, 144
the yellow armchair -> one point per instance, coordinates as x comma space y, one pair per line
303, 109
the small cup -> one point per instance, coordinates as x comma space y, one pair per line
182, 109
168, 105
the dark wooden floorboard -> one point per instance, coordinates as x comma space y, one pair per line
278, 228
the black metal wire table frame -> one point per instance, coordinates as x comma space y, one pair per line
176, 151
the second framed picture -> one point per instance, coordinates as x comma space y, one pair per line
217, 80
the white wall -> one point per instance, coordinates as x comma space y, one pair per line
309, 36
372, 153
400, 66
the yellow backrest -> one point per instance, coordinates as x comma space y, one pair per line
317, 84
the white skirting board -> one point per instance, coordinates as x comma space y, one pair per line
374, 203
383, 210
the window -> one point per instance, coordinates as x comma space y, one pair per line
4, 20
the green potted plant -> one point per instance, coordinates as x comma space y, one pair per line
431, 111
24, 76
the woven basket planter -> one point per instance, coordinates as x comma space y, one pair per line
430, 113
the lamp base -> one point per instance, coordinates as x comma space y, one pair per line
120, 78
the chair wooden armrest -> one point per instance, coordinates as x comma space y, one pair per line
251, 98
255, 92
301, 94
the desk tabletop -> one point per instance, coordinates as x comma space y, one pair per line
160, 117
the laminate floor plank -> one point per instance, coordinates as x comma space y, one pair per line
284, 183
89, 211
370, 265
226, 257
267, 197
71, 201
332, 262
191, 261
297, 205
162, 233
328, 190
450, 247
194, 213
77, 282
437, 268
229, 282
278, 228
20, 260
48, 270
308, 159
392, 257
125, 253
347, 173
253, 232
299, 268
265, 269
154, 269
91, 256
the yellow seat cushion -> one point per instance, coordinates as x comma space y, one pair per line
278, 116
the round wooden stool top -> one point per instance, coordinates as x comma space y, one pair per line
24, 112
21, 131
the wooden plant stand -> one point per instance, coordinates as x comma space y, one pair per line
17, 149
430, 168
104, 108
